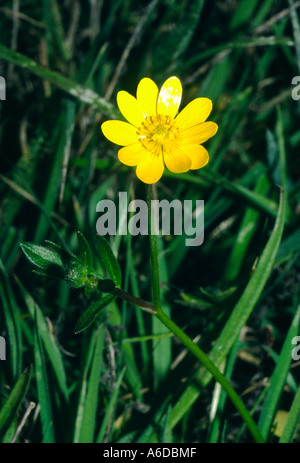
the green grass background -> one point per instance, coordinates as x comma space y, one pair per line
125, 379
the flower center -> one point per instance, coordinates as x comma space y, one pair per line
157, 133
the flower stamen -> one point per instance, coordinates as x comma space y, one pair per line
157, 133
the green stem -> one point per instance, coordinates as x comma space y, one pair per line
186, 340
135, 301
153, 254
200, 355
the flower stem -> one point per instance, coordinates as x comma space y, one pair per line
211, 367
135, 301
185, 339
153, 254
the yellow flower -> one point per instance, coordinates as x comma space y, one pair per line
155, 135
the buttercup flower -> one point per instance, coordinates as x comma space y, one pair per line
155, 135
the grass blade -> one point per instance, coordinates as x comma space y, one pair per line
239, 315
42, 387
253, 290
11, 406
49, 342
162, 348
278, 379
12, 319
73, 89
296, 30
292, 421
90, 408
110, 408
245, 234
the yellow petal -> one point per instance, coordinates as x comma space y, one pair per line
199, 133
132, 155
198, 155
120, 132
177, 161
147, 93
151, 170
130, 108
195, 112
169, 97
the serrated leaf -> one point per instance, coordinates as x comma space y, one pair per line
108, 259
85, 255
90, 314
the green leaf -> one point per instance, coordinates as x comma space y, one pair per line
278, 379
296, 30
61, 138
162, 348
254, 198
108, 259
12, 317
292, 421
56, 247
238, 317
90, 314
50, 344
44, 258
79, 92
289, 247
168, 56
110, 407
85, 255
243, 13
253, 290
88, 423
76, 273
238, 43
42, 386
11, 406
87, 356
245, 234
